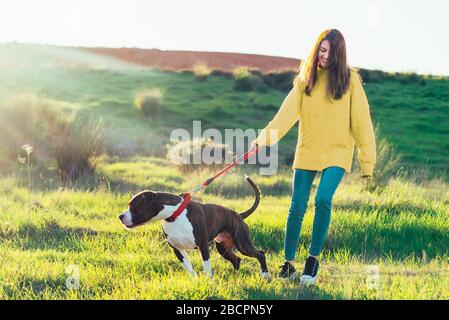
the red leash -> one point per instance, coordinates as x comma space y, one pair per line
223, 171
186, 196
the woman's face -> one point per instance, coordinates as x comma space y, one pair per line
323, 54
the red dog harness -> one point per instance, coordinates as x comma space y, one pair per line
186, 196
181, 208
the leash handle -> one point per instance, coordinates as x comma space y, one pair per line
246, 156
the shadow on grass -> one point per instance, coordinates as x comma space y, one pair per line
51, 236
97, 181
29, 287
387, 208
297, 292
369, 241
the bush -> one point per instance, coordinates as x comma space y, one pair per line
201, 72
413, 77
403, 79
242, 79
222, 73
246, 79
280, 80
75, 144
149, 102
373, 76
69, 139
182, 154
409, 78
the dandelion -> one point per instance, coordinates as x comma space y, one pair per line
28, 149
26, 161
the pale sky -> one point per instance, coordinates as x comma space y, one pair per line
391, 35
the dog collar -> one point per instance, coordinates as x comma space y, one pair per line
186, 199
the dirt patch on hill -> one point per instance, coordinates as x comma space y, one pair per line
182, 60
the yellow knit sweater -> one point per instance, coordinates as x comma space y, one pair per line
327, 129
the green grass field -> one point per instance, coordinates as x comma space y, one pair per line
389, 244
402, 233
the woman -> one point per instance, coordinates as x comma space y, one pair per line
329, 101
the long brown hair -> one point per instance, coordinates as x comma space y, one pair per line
339, 72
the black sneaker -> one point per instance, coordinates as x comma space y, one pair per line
287, 271
310, 273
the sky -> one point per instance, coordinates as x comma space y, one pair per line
390, 35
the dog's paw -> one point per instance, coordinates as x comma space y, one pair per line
307, 281
265, 275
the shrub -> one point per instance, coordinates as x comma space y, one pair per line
222, 73
242, 79
373, 76
201, 72
280, 80
246, 79
149, 102
182, 154
403, 79
69, 139
185, 71
409, 78
75, 144
257, 82
413, 77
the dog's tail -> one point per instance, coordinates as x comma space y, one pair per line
246, 213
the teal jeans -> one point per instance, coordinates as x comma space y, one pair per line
302, 183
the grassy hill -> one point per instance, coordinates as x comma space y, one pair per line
411, 114
387, 244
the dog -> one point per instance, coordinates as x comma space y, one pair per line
196, 226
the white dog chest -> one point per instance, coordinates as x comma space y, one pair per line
180, 232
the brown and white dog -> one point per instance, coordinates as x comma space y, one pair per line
196, 226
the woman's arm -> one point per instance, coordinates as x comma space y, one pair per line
285, 118
362, 127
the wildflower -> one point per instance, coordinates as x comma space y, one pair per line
27, 148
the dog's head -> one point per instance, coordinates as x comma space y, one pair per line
143, 207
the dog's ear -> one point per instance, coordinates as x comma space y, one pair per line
157, 203
147, 194
168, 198
141, 196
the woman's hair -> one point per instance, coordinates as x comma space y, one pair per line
339, 72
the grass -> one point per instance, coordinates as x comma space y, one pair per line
57, 231
412, 117
403, 232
